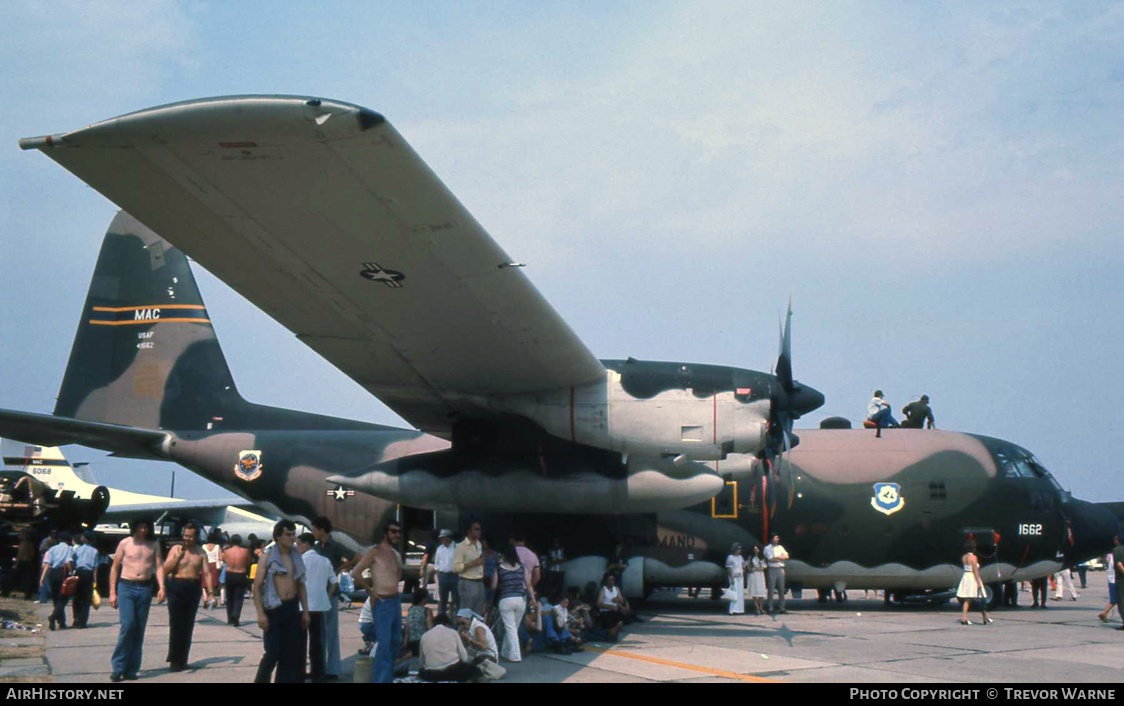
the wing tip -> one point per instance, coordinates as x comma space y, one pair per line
38, 143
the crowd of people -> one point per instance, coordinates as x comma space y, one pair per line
499, 604
494, 603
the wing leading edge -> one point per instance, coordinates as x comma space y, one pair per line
323, 216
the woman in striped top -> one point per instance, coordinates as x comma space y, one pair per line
510, 582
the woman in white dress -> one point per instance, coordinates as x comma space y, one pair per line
757, 567
971, 586
735, 570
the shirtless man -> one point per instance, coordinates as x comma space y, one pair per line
238, 560
282, 603
386, 604
130, 591
187, 571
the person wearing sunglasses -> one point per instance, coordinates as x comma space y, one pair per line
386, 604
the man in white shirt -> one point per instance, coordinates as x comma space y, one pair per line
448, 597
878, 411
321, 581
775, 557
443, 655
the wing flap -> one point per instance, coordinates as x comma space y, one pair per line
337, 229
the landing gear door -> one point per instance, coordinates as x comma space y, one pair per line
725, 504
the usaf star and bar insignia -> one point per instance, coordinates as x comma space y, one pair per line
888, 498
376, 273
339, 493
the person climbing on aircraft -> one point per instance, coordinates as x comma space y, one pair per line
879, 413
917, 414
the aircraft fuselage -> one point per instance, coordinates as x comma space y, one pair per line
853, 510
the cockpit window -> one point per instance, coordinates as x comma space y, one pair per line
1016, 462
1041, 472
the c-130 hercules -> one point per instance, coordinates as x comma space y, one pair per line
320, 214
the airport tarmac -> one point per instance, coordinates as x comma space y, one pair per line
694, 640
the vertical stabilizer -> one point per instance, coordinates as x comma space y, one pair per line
48, 465
145, 354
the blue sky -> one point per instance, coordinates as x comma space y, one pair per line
938, 185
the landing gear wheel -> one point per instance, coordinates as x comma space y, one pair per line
993, 593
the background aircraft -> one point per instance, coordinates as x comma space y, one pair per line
49, 466
320, 213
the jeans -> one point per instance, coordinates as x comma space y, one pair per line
315, 645
44, 590
461, 671
183, 600
512, 610
472, 595
1037, 590
387, 613
448, 587
367, 630
133, 602
54, 579
884, 417
332, 640
282, 642
235, 596
83, 597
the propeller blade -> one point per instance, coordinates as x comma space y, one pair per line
784, 358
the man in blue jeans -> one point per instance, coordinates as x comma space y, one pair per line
281, 599
130, 591
386, 605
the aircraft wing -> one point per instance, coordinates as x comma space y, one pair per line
323, 216
49, 430
206, 511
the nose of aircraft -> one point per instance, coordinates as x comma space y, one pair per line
804, 399
1093, 528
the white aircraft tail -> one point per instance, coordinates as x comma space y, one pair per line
48, 465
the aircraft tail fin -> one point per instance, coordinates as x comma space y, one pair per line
46, 464
145, 354
146, 359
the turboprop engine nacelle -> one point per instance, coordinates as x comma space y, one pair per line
700, 423
644, 485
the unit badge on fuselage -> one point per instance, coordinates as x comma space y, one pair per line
887, 498
249, 465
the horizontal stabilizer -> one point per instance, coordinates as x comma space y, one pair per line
49, 430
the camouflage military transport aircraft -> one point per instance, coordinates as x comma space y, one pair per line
322, 215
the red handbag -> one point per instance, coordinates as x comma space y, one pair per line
69, 586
